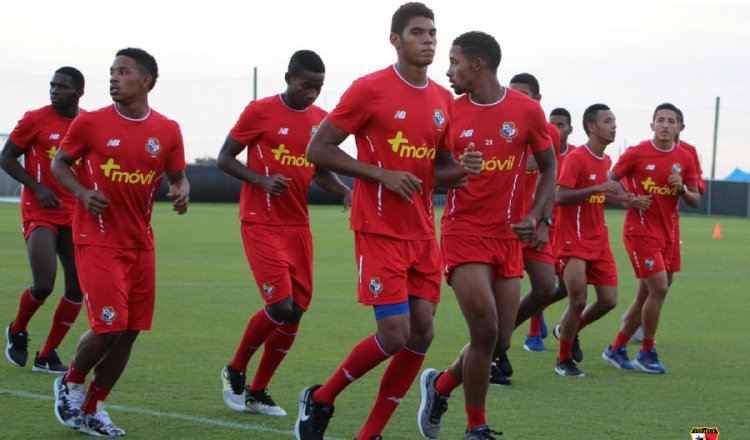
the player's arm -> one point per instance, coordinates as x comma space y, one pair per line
331, 183
9, 162
628, 200
94, 201
227, 162
324, 151
529, 228
569, 196
179, 191
452, 174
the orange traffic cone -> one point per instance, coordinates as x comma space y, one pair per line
717, 230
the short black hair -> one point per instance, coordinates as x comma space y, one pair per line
529, 80
680, 118
305, 60
666, 106
559, 111
478, 44
76, 77
144, 60
589, 115
406, 12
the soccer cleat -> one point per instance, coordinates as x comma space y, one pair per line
313, 417
618, 357
260, 402
501, 370
100, 425
503, 363
568, 368
50, 364
233, 392
17, 348
433, 405
648, 361
543, 328
576, 349
68, 402
534, 343
481, 432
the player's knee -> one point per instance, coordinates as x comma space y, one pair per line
392, 342
609, 303
280, 311
484, 337
41, 290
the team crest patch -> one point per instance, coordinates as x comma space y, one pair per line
108, 315
704, 433
649, 263
676, 168
376, 286
268, 289
152, 145
439, 119
509, 130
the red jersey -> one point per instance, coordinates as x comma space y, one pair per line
556, 208
397, 126
503, 132
277, 137
582, 226
124, 159
646, 170
39, 134
531, 177
697, 163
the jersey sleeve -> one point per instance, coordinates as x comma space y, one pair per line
74, 143
690, 177
624, 164
249, 125
351, 112
569, 173
23, 134
538, 139
176, 158
701, 184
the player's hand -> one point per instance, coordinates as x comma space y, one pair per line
471, 160
180, 198
541, 237
94, 201
47, 197
610, 187
675, 180
525, 229
275, 184
641, 203
402, 183
347, 200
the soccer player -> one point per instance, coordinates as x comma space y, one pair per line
125, 149
539, 262
480, 246
401, 123
582, 236
659, 169
47, 214
275, 224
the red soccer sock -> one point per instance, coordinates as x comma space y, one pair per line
74, 376
647, 344
364, 357
581, 324
258, 329
446, 383
476, 416
620, 340
275, 349
398, 377
535, 326
566, 350
94, 395
26, 309
65, 315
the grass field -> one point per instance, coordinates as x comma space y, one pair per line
171, 388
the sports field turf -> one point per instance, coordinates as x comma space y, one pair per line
172, 389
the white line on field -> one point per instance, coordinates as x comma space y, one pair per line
171, 415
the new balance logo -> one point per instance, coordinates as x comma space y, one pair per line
650, 167
113, 143
400, 114
283, 130
467, 133
54, 136
592, 177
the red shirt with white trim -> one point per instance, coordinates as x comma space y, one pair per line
531, 177
277, 137
396, 126
124, 159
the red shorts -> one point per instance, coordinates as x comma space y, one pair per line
119, 287
281, 259
648, 255
29, 226
391, 269
504, 254
601, 269
545, 254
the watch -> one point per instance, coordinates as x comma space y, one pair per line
546, 220
683, 190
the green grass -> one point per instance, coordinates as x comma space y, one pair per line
206, 294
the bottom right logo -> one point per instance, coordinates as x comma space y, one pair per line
704, 433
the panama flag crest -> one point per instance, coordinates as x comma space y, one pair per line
704, 433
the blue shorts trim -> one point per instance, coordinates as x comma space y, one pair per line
387, 310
